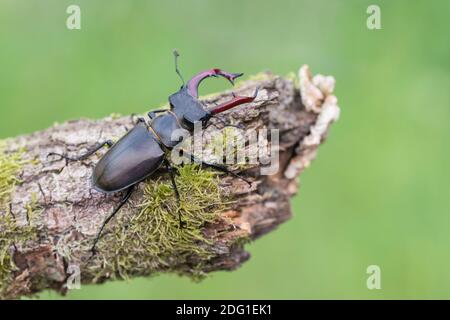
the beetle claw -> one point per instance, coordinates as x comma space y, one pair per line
231, 76
235, 76
193, 84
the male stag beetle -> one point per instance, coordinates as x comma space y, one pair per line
140, 152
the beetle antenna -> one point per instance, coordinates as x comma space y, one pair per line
176, 55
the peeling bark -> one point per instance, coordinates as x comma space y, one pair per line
70, 211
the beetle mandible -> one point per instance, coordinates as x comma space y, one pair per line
142, 150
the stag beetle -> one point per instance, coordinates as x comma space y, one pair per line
142, 151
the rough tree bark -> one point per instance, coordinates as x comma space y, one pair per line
70, 211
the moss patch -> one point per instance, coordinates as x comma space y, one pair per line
11, 234
10, 167
115, 115
293, 77
151, 241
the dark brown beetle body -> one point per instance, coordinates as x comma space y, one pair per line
164, 125
142, 151
132, 159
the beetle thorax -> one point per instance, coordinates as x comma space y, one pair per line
164, 126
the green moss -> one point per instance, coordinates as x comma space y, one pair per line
151, 241
10, 166
11, 234
293, 77
115, 115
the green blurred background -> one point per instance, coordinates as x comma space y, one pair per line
378, 192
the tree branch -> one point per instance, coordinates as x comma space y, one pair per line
57, 214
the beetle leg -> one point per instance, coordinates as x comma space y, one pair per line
171, 171
124, 200
89, 153
217, 167
136, 119
152, 114
193, 84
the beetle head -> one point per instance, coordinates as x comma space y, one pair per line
187, 108
185, 103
